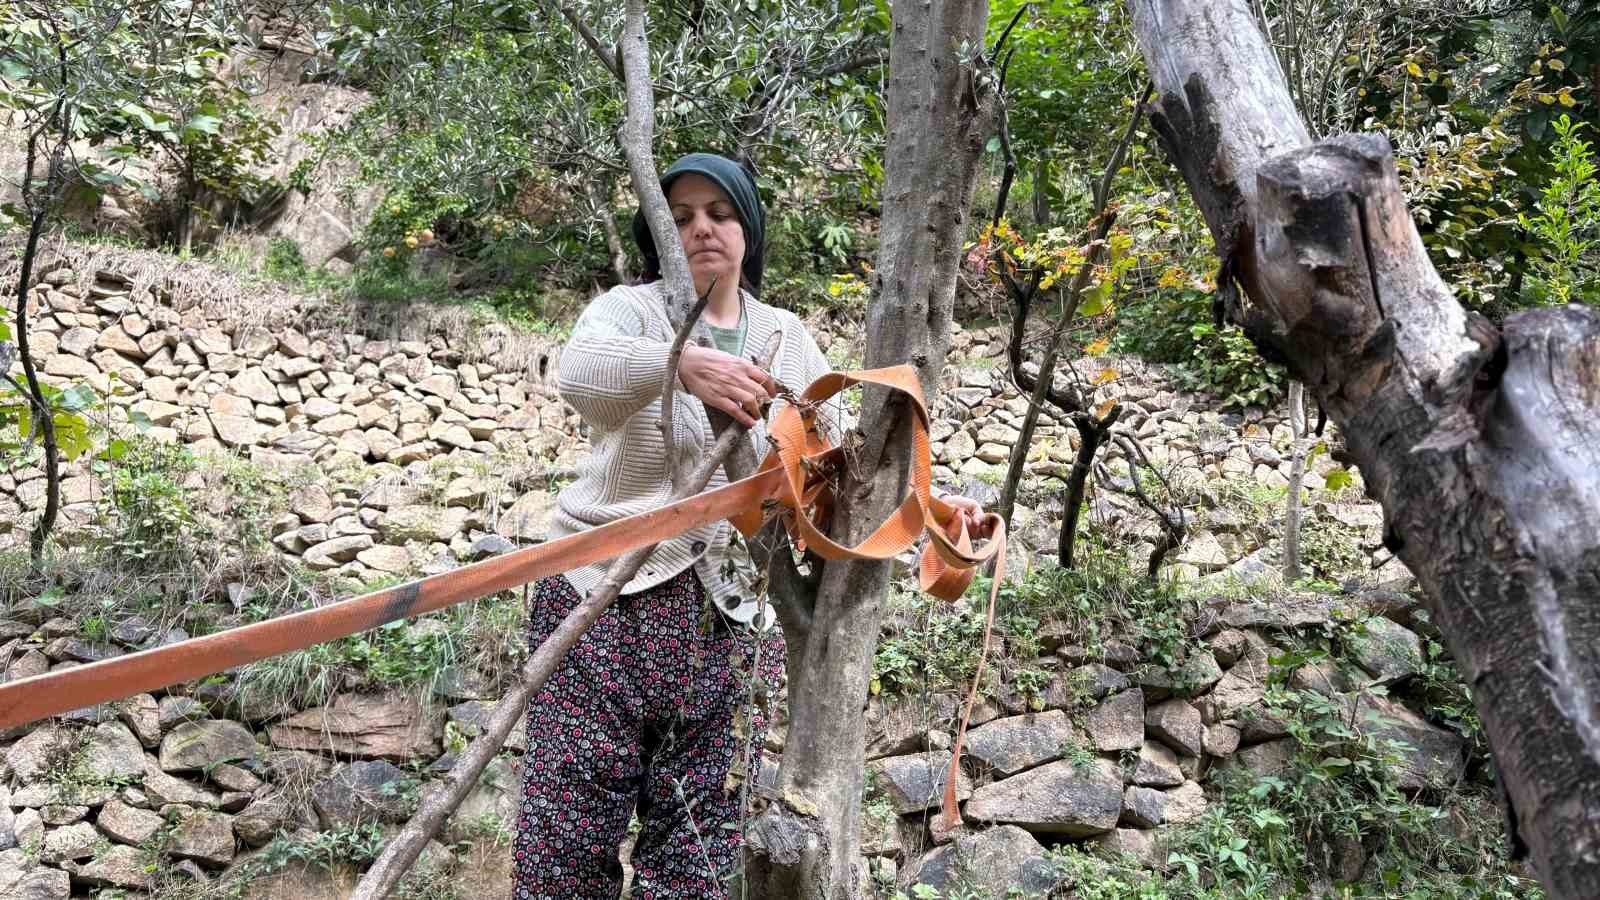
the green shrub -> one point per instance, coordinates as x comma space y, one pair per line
1175, 326
1565, 229
153, 523
283, 260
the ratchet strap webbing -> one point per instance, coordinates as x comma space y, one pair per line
795, 480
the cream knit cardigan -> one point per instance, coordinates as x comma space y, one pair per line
611, 372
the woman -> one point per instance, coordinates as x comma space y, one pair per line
648, 709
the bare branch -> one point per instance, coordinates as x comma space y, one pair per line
669, 387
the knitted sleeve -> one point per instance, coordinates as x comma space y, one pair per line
610, 369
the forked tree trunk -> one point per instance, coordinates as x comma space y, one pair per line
940, 115
1482, 445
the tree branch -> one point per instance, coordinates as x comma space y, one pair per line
1045, 385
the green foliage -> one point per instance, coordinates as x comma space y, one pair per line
155, 524
1565, 228
1330, 549
1173, 324
1072, 69
68, 407
399, 655
283, 260
344, 844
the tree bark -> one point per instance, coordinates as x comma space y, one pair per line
1092, 433
1297, 474
939, 116
1482, 445
598, 190
38, 201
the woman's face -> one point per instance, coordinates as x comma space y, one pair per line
709, 227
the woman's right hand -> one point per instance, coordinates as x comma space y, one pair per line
726, 382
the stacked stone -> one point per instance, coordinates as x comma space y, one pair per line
206, 776
323, 401
1123, 749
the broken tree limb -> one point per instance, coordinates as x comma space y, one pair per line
1481, 444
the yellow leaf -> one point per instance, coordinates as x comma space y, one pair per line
1414, 69
1566, 98
1098, 346
1556, 65
1546, 99
1106, 375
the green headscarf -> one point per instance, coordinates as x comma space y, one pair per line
741, 190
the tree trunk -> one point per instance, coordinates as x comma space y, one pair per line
1092, 433
38, 201
1482, 445
598, 190
940, 115
1297, 474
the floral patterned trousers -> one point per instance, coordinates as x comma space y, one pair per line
650, 710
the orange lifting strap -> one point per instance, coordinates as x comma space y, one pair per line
789, 475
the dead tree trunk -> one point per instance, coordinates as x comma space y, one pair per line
940, 115
1482, 445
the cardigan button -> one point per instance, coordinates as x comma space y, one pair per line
697, 548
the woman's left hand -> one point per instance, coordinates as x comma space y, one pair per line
971, 514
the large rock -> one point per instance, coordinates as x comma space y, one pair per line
334, 552
1186, 803
21, 878
72, 842
1118, 722
496, 797
142, 715
1240, 689
1281, 613
237, 431
1194, 675
30, 758
194, 746
127, 824
119, 866
1145, 847
424, 523
1437, 756
1084, 686
472, 717
1011, 745
1058, 798
324, 222
994, 862
1143, 807
367, 726
528, 519
263, 819
1157, 767
916, 782
163, 788
362, 791
1264, 759
112, 753
204, 836
1177, 724
1387, 651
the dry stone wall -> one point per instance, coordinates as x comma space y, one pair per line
398, 429
374, 425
